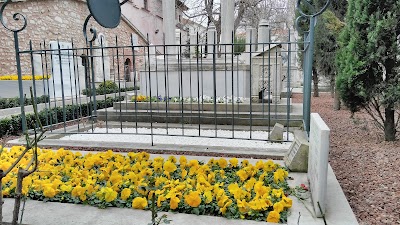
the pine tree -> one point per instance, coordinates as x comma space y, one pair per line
368, 61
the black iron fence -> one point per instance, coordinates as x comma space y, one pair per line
194, 87
186, 86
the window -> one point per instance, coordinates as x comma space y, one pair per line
145, 4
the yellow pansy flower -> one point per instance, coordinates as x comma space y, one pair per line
169, 167
139, 203
287, 202
269, 166
242, 175
279, 175
193, 163
126, 192
49, 192
193, 199
160, 199
242, 205
172, 159
234, 162
208, 196
222, 163
173, 202
108, 193
277, 192
278, 207
182, 161
273, 217
66, 188
5, 165
260, 189
226, 205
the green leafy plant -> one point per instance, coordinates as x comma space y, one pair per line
108, 90
6, 103
240, 45
13, 125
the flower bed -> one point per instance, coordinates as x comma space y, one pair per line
219, 187
201, 99
24, 77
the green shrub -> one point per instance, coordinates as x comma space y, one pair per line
110, 90
13, 125
6, 103
108, 85
240, 45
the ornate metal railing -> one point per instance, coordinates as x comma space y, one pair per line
252, 75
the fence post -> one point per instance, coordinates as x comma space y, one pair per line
308, 55
17, 17
21, 90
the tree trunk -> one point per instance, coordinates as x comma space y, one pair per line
389, 124
336, 101
18, 196
1, 198
332, 84
315, 82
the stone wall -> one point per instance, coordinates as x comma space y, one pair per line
52, 20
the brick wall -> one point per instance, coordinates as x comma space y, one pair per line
52, 20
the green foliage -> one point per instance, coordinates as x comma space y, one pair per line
329, 25
108, 87
13, 125
339, 8
240, 45
368, 59
6, 103
326, 34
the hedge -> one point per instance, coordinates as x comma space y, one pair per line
6, 103
109, 87
13, 125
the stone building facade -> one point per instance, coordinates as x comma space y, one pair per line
62, 20
147, 15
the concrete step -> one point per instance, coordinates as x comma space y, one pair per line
205, 117
237, 107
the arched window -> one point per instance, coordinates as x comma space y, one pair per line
128, 69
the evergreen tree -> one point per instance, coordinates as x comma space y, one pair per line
368, 61
327, 30
326, 46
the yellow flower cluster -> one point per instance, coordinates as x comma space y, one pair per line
25, 77
219, 187
140, 98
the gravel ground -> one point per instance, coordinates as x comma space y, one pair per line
366, 166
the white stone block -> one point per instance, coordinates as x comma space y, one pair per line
63, 73
318, 163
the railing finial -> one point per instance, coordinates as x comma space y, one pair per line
16, 17
314, 11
